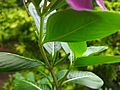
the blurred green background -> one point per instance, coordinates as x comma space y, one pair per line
17, 36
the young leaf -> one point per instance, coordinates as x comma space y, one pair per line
52, 47
78, 26
94, 49
85, 78
93, 60
35, 15
78, 48
13, 62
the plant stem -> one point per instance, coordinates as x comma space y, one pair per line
63, 79
50, 67
60, 85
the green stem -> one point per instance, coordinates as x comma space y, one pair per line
41, 30
63, 79
50, 67
26, 7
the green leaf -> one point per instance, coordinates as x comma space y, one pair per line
52, 47
67, 50
30, 77
78, 26
62, 59
35, 15
36, 2
94, 60
85, 78
58, 4
45, 87
94, 49
61, 74
21, 84
46, 82
25, 85
13, 62
78, 48
19, 76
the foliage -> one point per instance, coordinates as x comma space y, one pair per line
17, 28
73, 32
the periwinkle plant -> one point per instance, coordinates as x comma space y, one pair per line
59, 27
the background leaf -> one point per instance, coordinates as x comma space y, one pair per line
21, 84
25, 85
30, 77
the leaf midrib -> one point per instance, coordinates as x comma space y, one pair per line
72, 79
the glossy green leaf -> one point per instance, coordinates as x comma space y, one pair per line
78, 26
13, 62
94, 60
85, 78
78, 48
